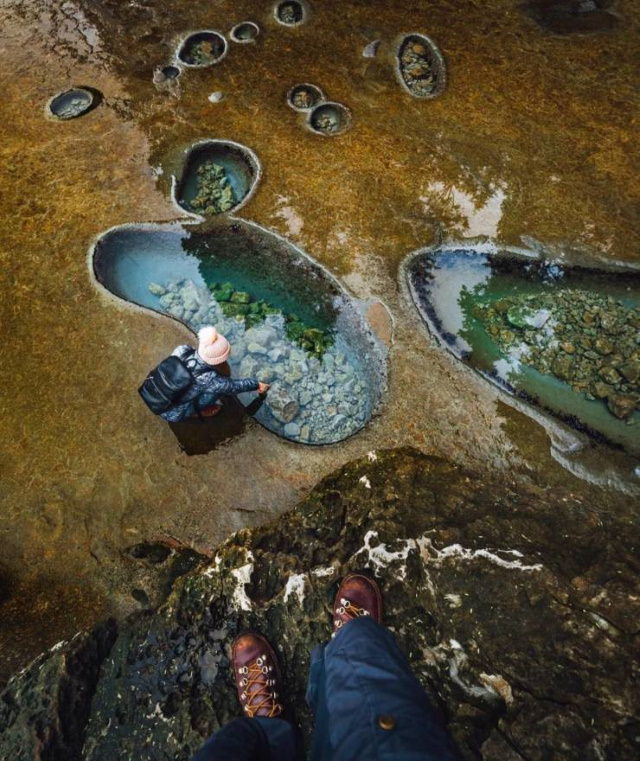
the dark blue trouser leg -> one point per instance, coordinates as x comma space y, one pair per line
360, 676
256, 739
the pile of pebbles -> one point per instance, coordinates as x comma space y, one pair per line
312, 401
214, 193
421, 66
590, 341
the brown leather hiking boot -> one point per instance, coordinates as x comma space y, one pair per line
257, 675
357, 596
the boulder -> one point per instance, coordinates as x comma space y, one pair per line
517, 606
283, 406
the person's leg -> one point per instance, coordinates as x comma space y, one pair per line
262, 734
367, 702
256, 739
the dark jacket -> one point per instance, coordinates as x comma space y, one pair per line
207, 389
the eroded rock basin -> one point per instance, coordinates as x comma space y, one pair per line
217, 176
289, 322
563, 338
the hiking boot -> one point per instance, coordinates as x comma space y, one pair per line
357, 596
257, 675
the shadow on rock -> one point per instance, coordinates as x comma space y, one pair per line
203, 436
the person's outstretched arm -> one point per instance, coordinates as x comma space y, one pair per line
222, 386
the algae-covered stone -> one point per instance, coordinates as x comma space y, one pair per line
583, 338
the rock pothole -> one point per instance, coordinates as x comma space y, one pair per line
217, 176
202, 49
290, 12
73, 103
563, 338
246, 31
420, 66
304, 96
329, 119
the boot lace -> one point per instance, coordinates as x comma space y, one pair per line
350, 611
258, 674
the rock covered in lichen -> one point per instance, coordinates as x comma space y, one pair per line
518, 616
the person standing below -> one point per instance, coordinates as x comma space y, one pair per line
367, 704
190, 384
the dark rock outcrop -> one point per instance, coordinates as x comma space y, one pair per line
519, 610
44, 709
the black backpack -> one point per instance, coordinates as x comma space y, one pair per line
165, 384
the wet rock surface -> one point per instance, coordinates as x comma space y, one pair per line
109, 464
202, 49
573, 16
518, 615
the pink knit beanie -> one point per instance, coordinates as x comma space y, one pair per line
213, 348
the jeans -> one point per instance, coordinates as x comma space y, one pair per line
367, 703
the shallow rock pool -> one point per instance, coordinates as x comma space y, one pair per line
564, 338
289, 322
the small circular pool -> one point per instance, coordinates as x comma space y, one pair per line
329, 119
218, 176
202, 49
72, 103
304, 97
246, 31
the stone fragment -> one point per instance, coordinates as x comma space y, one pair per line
631, 371
292, 430
603, 346
622, 405
156, 289
283, 406
610, 375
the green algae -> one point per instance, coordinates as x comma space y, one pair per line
242, 305
214, 193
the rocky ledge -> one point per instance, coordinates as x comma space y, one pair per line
519, 610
